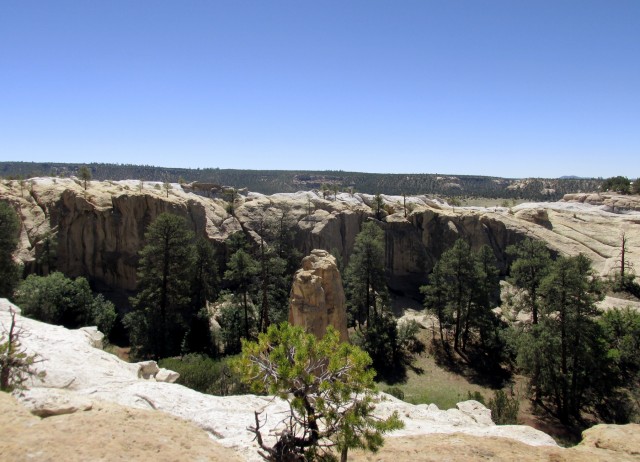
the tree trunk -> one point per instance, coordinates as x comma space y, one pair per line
534, 306
440, 322
465, 335
368, 301
164, 300
264, 313
564, 412
622, 256
246, 315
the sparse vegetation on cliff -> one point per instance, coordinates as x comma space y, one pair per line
618, 184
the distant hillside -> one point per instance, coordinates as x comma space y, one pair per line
274, 181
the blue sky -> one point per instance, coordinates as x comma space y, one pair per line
507, 88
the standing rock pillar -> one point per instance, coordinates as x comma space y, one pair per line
317, 297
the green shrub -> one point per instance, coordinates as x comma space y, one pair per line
204, 374
56, 299
476, 396
395, 391
504, 408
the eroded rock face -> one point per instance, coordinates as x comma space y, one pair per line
610, 202
101, 230
317, 296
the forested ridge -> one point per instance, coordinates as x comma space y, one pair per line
275, 181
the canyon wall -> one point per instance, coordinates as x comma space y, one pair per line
100, 231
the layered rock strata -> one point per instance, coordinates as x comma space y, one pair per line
101, 230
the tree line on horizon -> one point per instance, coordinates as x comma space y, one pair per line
278, 181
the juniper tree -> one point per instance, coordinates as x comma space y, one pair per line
57, 299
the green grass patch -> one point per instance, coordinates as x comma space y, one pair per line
436, 385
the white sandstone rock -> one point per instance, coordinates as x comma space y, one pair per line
94, 335
46, 402
165, 375
147, 369
88, 373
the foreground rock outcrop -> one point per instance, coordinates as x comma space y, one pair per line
317, 297
101, 408
602, 443
106, 432
80, 379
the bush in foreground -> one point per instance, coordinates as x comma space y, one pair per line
330, 390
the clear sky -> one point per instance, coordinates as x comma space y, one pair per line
508, 88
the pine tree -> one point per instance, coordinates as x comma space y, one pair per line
532, 262
365, 282
205, 287
462, 289
85, 175
457, 278
329, 388
240, 273
563, 355
9, 232
157, 325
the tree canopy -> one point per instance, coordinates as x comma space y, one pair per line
461, 291
531, 265
329, 387
9, 233
619, 184
56, 299
365, 280
563, 355
157, 325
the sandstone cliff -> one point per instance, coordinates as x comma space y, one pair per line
609, 202
101, 230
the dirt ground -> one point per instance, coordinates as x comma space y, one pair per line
105, 433
603, 446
